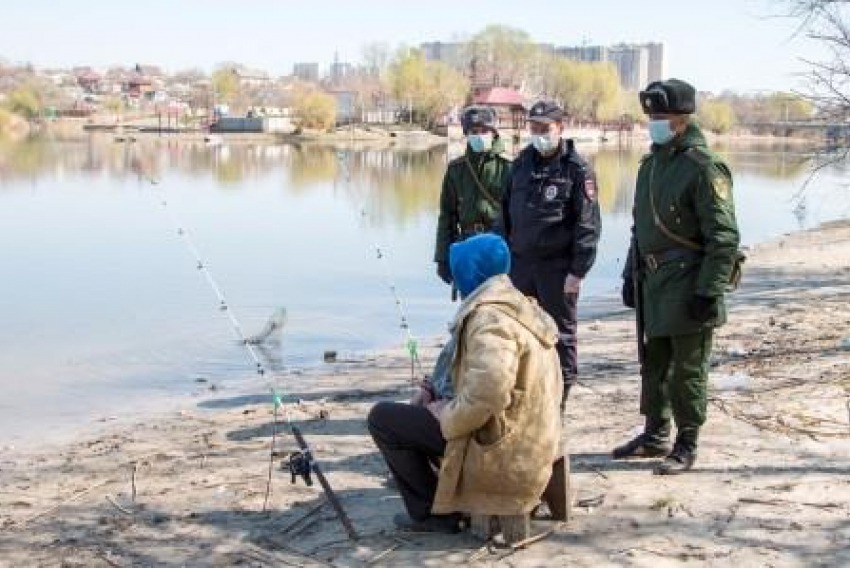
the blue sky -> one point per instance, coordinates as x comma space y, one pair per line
716, 45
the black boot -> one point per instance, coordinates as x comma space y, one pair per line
565, 396
654, 442
680, 460
683, 456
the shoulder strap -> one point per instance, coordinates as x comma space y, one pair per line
481, 189
687, 243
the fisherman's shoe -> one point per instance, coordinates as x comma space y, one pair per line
446, 524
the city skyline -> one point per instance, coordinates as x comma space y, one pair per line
728, 45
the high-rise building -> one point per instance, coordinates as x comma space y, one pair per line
306, 72
636, 64
632, 64
657, 62
340, 70
588, 53
450, 53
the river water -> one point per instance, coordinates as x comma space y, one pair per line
104, 311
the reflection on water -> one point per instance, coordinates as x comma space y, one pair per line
102, 305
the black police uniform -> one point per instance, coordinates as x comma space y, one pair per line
551, 220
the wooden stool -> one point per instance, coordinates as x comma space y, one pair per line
516, 528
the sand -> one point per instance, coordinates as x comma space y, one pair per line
771, 486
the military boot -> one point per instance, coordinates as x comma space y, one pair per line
683, 456
654, 442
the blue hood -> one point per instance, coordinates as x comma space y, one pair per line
477, 259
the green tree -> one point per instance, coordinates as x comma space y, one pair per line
115, 105
504, 51
429, 88
25, 102
716, 115
314, 109
587, 91
225, 85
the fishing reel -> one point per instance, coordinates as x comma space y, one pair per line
300, 465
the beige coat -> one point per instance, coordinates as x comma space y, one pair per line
504, 425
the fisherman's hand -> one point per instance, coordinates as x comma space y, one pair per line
628, 293
422, 397
572, 285
436, 407
703, 308
444, 272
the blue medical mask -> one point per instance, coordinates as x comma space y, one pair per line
480, 142
660, 131
545, 143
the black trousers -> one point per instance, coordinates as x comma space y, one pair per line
410, 440
544, 281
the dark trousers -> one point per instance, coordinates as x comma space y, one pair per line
675, 378
410, 440
544, 281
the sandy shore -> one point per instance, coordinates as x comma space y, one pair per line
772, 486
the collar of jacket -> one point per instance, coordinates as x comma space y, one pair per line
497, 148
692, 137
500, 293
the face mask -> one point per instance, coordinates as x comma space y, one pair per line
480, 142
545, 143
660, 131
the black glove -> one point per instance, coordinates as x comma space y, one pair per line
703, 308
628, 293
444, 272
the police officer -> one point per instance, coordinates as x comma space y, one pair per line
550, 218
685, 241
470, 200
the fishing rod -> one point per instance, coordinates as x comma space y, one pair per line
301, 463
411, 344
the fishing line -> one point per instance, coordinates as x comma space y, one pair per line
251, 344
301, 463
411, 344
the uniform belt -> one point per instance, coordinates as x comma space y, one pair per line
653, 261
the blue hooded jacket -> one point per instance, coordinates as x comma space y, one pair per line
477, 259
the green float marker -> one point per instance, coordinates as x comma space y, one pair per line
276, 400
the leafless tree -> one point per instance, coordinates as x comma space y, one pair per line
828, 23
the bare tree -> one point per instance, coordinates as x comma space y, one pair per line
828, 23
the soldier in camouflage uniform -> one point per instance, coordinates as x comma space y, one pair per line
683, 251
470, 200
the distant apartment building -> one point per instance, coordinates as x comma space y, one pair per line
451, 53
248, 77
340, 71
585, 53
636, 64
306, 72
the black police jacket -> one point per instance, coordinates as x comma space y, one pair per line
550, 208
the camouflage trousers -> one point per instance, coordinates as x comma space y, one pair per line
675, 383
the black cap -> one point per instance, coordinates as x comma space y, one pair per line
669, 97
477, 115
545, 112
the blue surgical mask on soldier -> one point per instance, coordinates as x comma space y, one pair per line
480, 142
660, 131
545, 143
